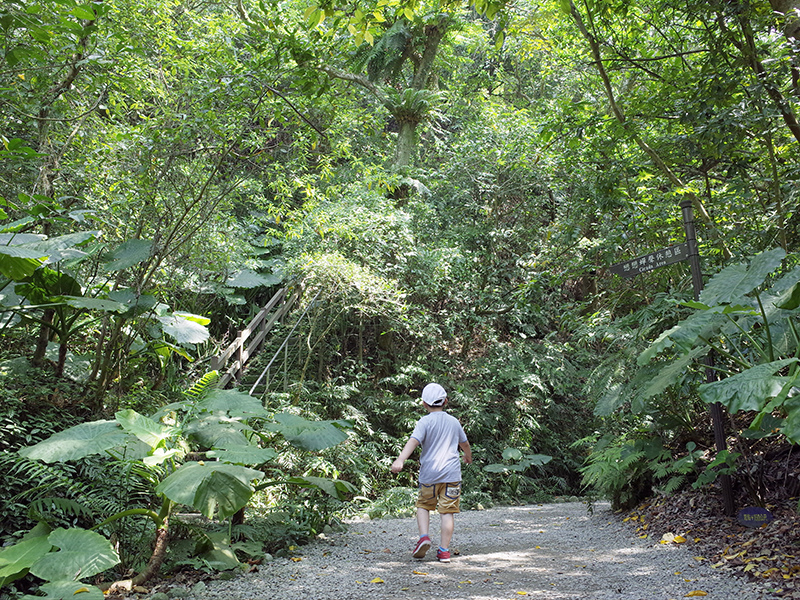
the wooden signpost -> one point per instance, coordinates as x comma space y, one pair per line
667, 256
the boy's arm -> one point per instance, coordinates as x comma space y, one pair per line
410, 446
467, 449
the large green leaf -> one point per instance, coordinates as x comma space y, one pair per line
243, 455
233, 403
15, 267
335, 488
98, 304
736, 281
308, 435
791, 427
185, 330
512, 454
82, 554
699, 325
217, 431
80, 441
11, 240
217, 551
248, 279
785, 292
208, 487
61, 247
16, 560
149, 431
48, 285
748, 390
67, 590
668, 376
128, 254
135, 304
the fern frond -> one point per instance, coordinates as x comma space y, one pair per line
53, 509
674, 484
203, 385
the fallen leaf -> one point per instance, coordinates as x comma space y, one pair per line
297, 558
679, 539
695, 594
418, 573
522, 593
377, 580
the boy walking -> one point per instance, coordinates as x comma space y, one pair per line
440, 436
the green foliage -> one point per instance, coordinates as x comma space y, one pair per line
217, 418
618, 470
81, 554
751, 326
394, 502
147, 210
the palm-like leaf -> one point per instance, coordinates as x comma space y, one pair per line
748, 390
733, 283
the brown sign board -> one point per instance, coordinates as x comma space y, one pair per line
654, 260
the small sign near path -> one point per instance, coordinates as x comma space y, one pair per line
654, 260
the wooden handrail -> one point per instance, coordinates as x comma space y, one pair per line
239, 349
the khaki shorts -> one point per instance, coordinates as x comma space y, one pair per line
446, 497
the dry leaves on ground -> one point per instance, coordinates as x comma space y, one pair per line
770, 553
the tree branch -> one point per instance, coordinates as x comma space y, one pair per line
359, 80
295, 109
643, 145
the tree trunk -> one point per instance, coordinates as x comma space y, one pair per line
62, 358
43, 339
153, 565
405, 144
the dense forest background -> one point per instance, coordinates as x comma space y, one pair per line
446, 185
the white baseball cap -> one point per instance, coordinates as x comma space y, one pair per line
434, 395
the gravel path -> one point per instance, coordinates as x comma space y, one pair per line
552, 551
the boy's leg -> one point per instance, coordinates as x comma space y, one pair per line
448, 525
423, 521
449, 504
426, 501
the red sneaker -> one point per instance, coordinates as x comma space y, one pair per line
422, 547
443, 555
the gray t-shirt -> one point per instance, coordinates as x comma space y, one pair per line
439, 434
